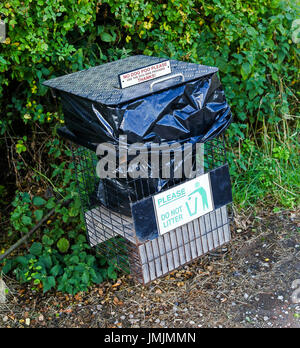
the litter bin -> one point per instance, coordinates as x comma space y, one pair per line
151, 106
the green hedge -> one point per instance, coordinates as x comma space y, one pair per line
250, 41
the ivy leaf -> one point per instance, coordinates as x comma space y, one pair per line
47, 240
38, 214
38, 201
45, 71
26, 220
55, 270
63, 245
74, 259
73, 211
106, 37
245, 70
51, 203
85, 277
8, 266
36, 249
26, 197
97, 277
48, 283
111, 272
3, 61
22, 260
46, 261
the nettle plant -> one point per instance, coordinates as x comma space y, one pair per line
44, 39
60, 257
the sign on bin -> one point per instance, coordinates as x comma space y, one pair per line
146, 73
184, 203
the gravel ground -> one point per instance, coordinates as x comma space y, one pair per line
247, 284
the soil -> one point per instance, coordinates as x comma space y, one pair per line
246, 284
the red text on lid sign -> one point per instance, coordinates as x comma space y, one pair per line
145, 74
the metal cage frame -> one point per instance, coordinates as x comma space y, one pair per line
113, 234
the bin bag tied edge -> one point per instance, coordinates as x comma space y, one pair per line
195, 110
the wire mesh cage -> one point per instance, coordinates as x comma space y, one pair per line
114, 234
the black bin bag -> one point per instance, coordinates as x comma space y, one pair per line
187, 105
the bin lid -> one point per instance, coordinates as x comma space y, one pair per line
101, 83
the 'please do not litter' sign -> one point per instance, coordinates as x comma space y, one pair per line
183, 203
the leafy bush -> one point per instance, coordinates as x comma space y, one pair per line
46, 39
249, 41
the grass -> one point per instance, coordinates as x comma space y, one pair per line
265, 168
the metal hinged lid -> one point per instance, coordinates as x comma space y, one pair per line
101, 83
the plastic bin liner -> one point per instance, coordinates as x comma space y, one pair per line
117, 193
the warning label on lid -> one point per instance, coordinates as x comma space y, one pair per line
144, 74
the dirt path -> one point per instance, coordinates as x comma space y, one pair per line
247, 284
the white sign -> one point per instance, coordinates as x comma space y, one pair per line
145, 74
183, 203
